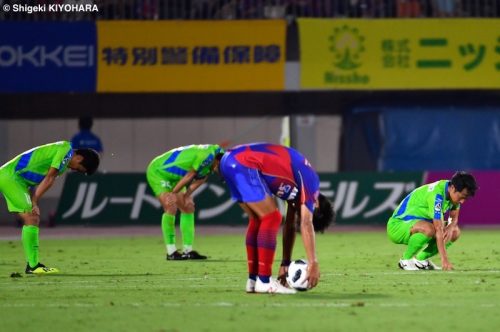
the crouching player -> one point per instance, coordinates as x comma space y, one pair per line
418, 221
253, 173
39, 168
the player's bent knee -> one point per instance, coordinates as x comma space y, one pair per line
424, 228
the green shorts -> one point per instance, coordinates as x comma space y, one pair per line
399, 231
159, 181
16, 192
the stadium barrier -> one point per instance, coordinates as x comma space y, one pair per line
360, 198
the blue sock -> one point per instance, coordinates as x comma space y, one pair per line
252, 276
264, 279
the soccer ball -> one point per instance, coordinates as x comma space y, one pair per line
297, 275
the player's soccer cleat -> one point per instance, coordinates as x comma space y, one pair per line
250, 287
193, 254
426, 265
408, 265
272, 287
40, 269
176, 256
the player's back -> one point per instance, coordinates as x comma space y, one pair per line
34, 164
270, 159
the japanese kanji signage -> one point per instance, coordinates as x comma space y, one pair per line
165, 56
360, 198
400, 54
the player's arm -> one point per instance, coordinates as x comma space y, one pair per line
452, 227
308, 237
195, 185
46, 183
288, 241
438, 226
186, 179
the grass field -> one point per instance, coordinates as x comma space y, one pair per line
124, 284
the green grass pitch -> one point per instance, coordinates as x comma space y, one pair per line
125, 284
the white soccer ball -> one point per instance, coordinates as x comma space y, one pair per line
297, 275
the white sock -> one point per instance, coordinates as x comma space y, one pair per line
171, 248
188, 249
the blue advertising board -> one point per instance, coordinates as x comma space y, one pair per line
48, 57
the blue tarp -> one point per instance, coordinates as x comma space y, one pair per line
439, 139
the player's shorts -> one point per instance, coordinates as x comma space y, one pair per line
399, 231
159, 181
245, 184
16, 193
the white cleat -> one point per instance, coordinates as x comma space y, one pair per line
426, 265
250, 287
408, 265
272, 287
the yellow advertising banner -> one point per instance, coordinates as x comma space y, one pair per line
400, 54
195, 56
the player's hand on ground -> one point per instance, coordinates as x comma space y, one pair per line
446, 266
282, 275
312, 274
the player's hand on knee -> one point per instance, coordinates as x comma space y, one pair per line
35, 210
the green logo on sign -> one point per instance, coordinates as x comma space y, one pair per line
347, 45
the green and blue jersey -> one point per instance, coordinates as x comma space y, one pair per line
32, 166
428, 202
178, 162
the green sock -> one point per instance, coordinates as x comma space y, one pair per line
29, 238
415, 244
187, 229
168, 228
431, 250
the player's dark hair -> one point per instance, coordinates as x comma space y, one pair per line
324, 215
90, 160
462, 180
85, 122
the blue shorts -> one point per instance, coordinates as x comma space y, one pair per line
245, 184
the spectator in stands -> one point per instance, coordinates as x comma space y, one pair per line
408, 8
203, 9
85, 138
147, 9
228, 10
444, 8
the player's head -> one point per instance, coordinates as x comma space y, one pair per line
219, 152
85, 123
462, 186
85, 161
323, 214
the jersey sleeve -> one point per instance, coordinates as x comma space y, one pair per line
309, 189
202, 163
435, 202
62, 156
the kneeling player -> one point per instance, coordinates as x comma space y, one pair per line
418, 221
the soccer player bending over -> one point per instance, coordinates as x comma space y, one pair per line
39, 168
418, 221
174, 176
256, 172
